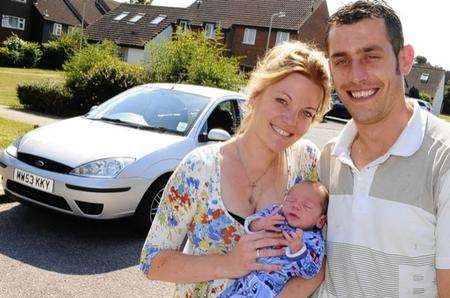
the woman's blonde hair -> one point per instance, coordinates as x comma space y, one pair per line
283, 60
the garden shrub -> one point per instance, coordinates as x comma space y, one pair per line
58, 51
46, 96
192, 58
19, 53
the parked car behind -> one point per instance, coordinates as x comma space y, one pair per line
338, 110
424, 104
115, 161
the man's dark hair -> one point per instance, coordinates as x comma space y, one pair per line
360, 10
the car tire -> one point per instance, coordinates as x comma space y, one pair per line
146, 210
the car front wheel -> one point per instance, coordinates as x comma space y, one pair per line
147, 208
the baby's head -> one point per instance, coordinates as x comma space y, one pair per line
305, 205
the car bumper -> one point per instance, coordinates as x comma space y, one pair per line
97, 198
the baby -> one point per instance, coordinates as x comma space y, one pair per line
300, 219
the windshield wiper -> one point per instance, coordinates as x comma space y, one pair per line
159, 128
118, 121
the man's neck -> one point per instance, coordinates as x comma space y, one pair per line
375, 139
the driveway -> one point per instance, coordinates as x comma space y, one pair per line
45, 254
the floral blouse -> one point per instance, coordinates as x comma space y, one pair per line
192, 205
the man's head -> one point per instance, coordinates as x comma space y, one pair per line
305, 205
360, 10
368, 60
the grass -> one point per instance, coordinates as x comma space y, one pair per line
445, 117
11, 77
10, 130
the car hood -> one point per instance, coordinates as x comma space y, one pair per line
77, 141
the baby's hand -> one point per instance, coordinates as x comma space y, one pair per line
267, 223
294, 241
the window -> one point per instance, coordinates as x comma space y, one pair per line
158, 19
281, 37
22, 1
136, 18
249, 36
183, 24
225, 116
13, 22
121, 16
424, 77
57, 29
210, 31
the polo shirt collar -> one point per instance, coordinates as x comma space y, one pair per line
407, 143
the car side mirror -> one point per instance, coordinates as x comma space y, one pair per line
215, 134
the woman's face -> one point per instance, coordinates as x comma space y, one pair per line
283, 113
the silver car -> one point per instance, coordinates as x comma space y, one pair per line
115, 161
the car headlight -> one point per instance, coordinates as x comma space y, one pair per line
12, 148
103, 168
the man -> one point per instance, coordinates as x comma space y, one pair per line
388, 172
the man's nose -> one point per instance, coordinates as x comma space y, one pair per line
358, 72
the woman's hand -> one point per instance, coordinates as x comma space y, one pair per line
242, 259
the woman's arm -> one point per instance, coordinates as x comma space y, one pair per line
174, 266
299, 288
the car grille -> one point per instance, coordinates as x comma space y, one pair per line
48, 165
38, 195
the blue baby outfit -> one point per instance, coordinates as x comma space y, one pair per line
306, 263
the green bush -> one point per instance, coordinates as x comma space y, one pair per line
57, 52
107, 79
19, 53
46, 96
192, 58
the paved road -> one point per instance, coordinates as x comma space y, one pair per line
44, 254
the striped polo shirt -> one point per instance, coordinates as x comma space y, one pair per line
389, 223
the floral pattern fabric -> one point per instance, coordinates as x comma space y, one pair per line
192, 206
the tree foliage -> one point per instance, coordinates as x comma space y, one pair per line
192, 58
420, 60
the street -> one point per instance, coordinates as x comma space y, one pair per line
46, 254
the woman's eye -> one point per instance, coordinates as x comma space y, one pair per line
308, 114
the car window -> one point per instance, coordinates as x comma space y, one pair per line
166, 109
225, 116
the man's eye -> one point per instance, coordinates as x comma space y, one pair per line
341, 62
281, 100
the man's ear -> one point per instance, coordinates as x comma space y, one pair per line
405, 59
321, 221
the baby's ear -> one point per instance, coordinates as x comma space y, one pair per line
321, 221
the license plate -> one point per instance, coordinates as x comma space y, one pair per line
33, 180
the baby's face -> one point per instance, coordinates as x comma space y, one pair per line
303, 206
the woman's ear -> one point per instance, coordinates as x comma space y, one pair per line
321, 221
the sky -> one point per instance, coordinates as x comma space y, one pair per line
424, 25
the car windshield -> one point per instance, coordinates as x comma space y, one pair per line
153, 109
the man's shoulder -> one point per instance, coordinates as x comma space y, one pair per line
328, 148
438, 131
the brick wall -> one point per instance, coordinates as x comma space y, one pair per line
17, 9
314, 29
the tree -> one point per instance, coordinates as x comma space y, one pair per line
192, 58
420, 60
425, 96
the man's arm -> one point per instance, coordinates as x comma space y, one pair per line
443, 282
302, 288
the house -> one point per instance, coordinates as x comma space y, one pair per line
430, 80
245, 25
42, 20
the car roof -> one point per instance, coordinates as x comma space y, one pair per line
195, 89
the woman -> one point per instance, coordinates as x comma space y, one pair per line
216, 186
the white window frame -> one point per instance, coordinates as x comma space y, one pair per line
7, 24
21, 1
158, 19
136, 18
121, 16
249, 36
57, 29
183, 24
210, 30
424, 77
282, 36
